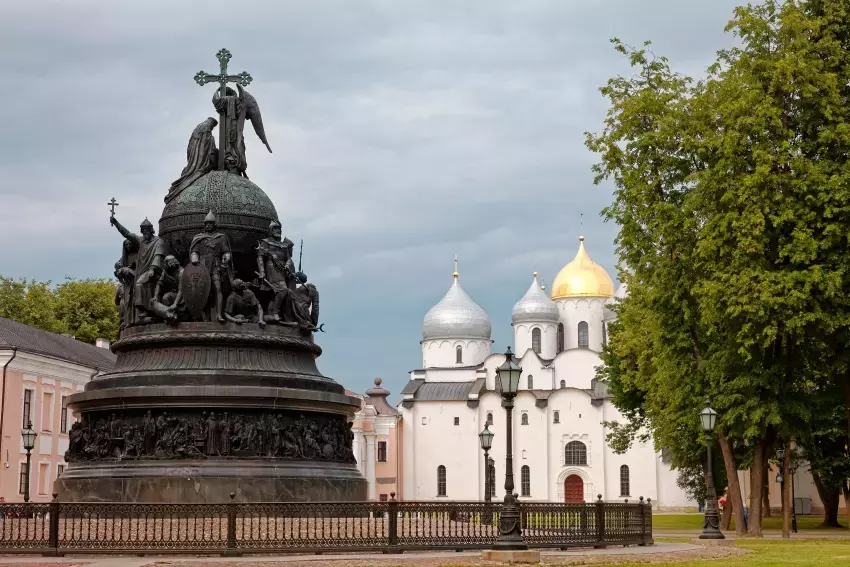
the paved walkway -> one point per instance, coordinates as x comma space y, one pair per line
826, 534
411, 557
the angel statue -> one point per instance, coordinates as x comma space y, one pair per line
234, 109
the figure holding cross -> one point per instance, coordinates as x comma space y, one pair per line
112, 204
233, 109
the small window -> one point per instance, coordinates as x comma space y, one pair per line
563, 383
560, 337
575, 453
624, 480
424, 421
382, 451
59, 470
457, 421
525, 418
382, 497
27, 413
583, 341
556, 417
604, 333
535, 340
525, 483
491, 477
489, 418
63, 417
441, 480
22, 480
459, 354
530, 382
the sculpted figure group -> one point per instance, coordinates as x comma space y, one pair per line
203, 435
154, 287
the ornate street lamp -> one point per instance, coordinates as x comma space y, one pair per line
510, 530
486, 438
711, 525
28, 436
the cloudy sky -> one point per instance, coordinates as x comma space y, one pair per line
404, 132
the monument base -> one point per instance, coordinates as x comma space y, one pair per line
211, 481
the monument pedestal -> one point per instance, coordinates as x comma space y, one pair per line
193, 413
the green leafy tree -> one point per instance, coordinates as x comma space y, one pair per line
84, 309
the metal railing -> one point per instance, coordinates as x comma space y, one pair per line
60, 528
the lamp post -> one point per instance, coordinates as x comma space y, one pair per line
486, 438
510, 530
28, 436
711, 525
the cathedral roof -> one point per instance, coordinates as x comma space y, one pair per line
377, 398
456, 316
535, 306
582, 277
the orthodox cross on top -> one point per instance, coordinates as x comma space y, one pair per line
223, 56
112, 204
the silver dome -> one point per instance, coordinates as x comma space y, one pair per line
535, 306
456, 316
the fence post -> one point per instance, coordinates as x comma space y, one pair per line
600, 522
231, 551
53, 541
392, 527
642, 522
647, 523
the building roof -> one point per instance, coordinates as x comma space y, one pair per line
535, 306
456, 316
582, 277
377, 398
29, 339
423, 391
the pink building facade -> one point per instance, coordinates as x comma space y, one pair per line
39, 370
377, 444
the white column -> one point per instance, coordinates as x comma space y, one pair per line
370, 464
357, 449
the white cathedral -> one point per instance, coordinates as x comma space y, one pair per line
559, 447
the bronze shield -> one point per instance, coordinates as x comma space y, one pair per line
196, 289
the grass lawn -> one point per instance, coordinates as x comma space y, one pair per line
691, 522
773, 553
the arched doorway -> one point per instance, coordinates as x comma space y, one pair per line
574, 489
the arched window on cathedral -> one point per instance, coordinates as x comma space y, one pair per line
575, 454
441, 480
624, 480
583, 341
489, 418
530, 382
525, 480
560, 337
556, 418
563, 383
459, 354
604, 333
524, 418
535, 340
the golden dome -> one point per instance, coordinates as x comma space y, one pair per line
582, 278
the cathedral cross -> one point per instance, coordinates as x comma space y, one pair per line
112, 204
222, 78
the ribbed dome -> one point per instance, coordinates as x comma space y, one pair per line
535, 306
582, 278
456, 316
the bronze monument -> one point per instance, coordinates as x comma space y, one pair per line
215, 389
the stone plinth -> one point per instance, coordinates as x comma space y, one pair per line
194, 412
512, 556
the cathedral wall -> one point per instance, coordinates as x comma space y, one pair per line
573, 311
576, 367
442, 353
548, 338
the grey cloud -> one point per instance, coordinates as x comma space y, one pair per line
404, 132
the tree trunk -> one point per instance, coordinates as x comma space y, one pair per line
786, 492
756, 491
726, 516
765, 495
734, 501
829, 497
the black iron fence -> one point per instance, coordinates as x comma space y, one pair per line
234, 528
